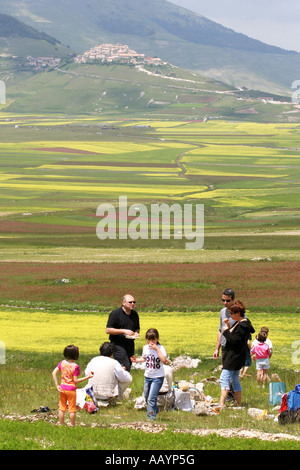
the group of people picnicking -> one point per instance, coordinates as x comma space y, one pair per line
109, 373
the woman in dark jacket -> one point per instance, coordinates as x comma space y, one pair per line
234, 351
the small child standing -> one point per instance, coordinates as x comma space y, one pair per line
154, 355
69, 379
262, 354
264, 329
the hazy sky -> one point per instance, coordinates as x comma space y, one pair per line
275, 22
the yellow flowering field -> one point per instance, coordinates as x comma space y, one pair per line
153, 123
229, 173
133, 168
103, 190
110, 148
230, 152
192, 333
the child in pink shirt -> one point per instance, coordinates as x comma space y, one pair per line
70, 372
262, 353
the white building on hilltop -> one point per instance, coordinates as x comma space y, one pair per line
116, 53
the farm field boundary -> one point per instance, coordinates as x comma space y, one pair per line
157, 287
145, 255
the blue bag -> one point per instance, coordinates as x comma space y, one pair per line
276, 392
90, 393
293, 399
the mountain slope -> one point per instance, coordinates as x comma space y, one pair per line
110, 90
17, 38
163, 29
132, 17
11, 27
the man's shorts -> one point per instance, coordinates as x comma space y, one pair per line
230, 377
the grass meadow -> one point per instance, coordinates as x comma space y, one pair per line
54, 172
26, 384
40, 316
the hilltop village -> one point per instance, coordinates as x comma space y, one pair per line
122, 54
104, 53
116, 53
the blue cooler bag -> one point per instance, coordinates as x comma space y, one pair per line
276, 392
293, 399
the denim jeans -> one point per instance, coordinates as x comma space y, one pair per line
228, 377
151, 388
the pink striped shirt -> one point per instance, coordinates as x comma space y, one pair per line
68, 370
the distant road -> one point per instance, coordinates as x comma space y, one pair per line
149, 73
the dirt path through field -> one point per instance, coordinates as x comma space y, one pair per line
227, 433
156, 428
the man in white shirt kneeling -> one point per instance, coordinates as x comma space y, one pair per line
110, 380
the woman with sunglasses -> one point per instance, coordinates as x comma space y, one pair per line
234, 354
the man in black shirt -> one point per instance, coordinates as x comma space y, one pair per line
123, 326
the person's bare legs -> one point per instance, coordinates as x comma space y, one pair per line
224, 394
73, 418
238, 398
243, 372
259, 376
61, 417
264, 377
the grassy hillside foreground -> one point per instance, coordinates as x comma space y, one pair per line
35, 337
26, 384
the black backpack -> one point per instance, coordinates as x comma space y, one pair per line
289, 416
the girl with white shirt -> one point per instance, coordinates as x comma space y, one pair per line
154, 355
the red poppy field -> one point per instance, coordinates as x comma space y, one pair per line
262, 286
